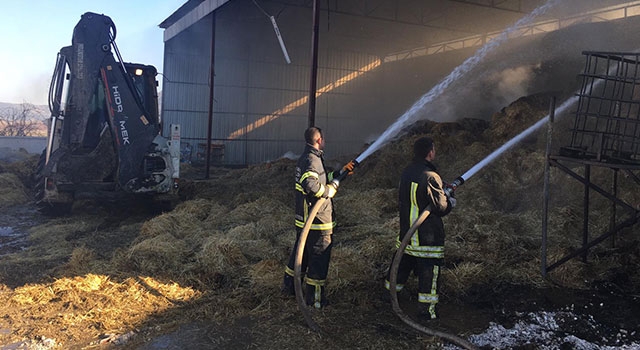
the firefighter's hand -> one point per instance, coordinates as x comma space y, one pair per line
348, 168
449, 190
452, 202
330, 191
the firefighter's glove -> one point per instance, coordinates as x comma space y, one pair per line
449, 190
330, 191
348, 168
452, 202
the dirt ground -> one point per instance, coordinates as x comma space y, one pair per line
206, 275
505, 317
508, 317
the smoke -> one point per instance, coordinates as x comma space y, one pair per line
462, 71
491, 90
512, 83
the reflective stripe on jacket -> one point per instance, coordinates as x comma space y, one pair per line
311, 181
420, 186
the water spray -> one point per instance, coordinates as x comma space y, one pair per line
509, 144
411, 115
449, 190
408, 117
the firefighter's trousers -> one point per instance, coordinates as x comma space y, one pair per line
314, 268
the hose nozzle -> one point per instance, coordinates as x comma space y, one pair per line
346, 170
450, 188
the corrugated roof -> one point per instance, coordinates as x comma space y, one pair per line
179, 13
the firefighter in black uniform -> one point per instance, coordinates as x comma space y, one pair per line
421, 186
312, 183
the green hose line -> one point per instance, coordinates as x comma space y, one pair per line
395, 265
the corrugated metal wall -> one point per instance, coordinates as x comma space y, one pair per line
261, 109
260, 101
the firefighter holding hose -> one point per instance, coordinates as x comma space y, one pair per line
312, 183
421, 186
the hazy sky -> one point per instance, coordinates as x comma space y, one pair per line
33, 31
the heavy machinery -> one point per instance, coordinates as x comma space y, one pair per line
104, 137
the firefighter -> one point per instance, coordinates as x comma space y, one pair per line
312, 183
420, 186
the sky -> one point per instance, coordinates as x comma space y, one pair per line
33, 31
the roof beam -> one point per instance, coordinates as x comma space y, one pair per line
506, 5
629, 9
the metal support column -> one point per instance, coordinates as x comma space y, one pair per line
212, 74
614, 190
585, 218
545, 203
314, 64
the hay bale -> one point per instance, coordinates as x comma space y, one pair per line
355, 207
458, 279
216, 215
13, 191
254, 210
81, 261
187, 220
221, 257
266, 276
161, 254
518, 116
252, 242
23, 168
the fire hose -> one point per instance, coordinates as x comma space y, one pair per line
393, 276
395, 265
302, 239
297, 281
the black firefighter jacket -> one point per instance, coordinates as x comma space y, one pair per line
311, 183
420, 185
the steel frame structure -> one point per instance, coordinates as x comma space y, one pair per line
606, 134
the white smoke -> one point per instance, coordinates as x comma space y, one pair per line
512, 83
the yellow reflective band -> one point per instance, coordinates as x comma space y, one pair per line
289, 271
414, 211
432, 311
308, 174
317, 297
428, 298
321, 191
434, 252
434, 281
387, 285
299, 188
319, 227
312, 282
431, 248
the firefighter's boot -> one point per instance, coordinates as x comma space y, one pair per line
428, 311
315, 295
288, 286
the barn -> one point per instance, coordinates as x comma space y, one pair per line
244, 78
